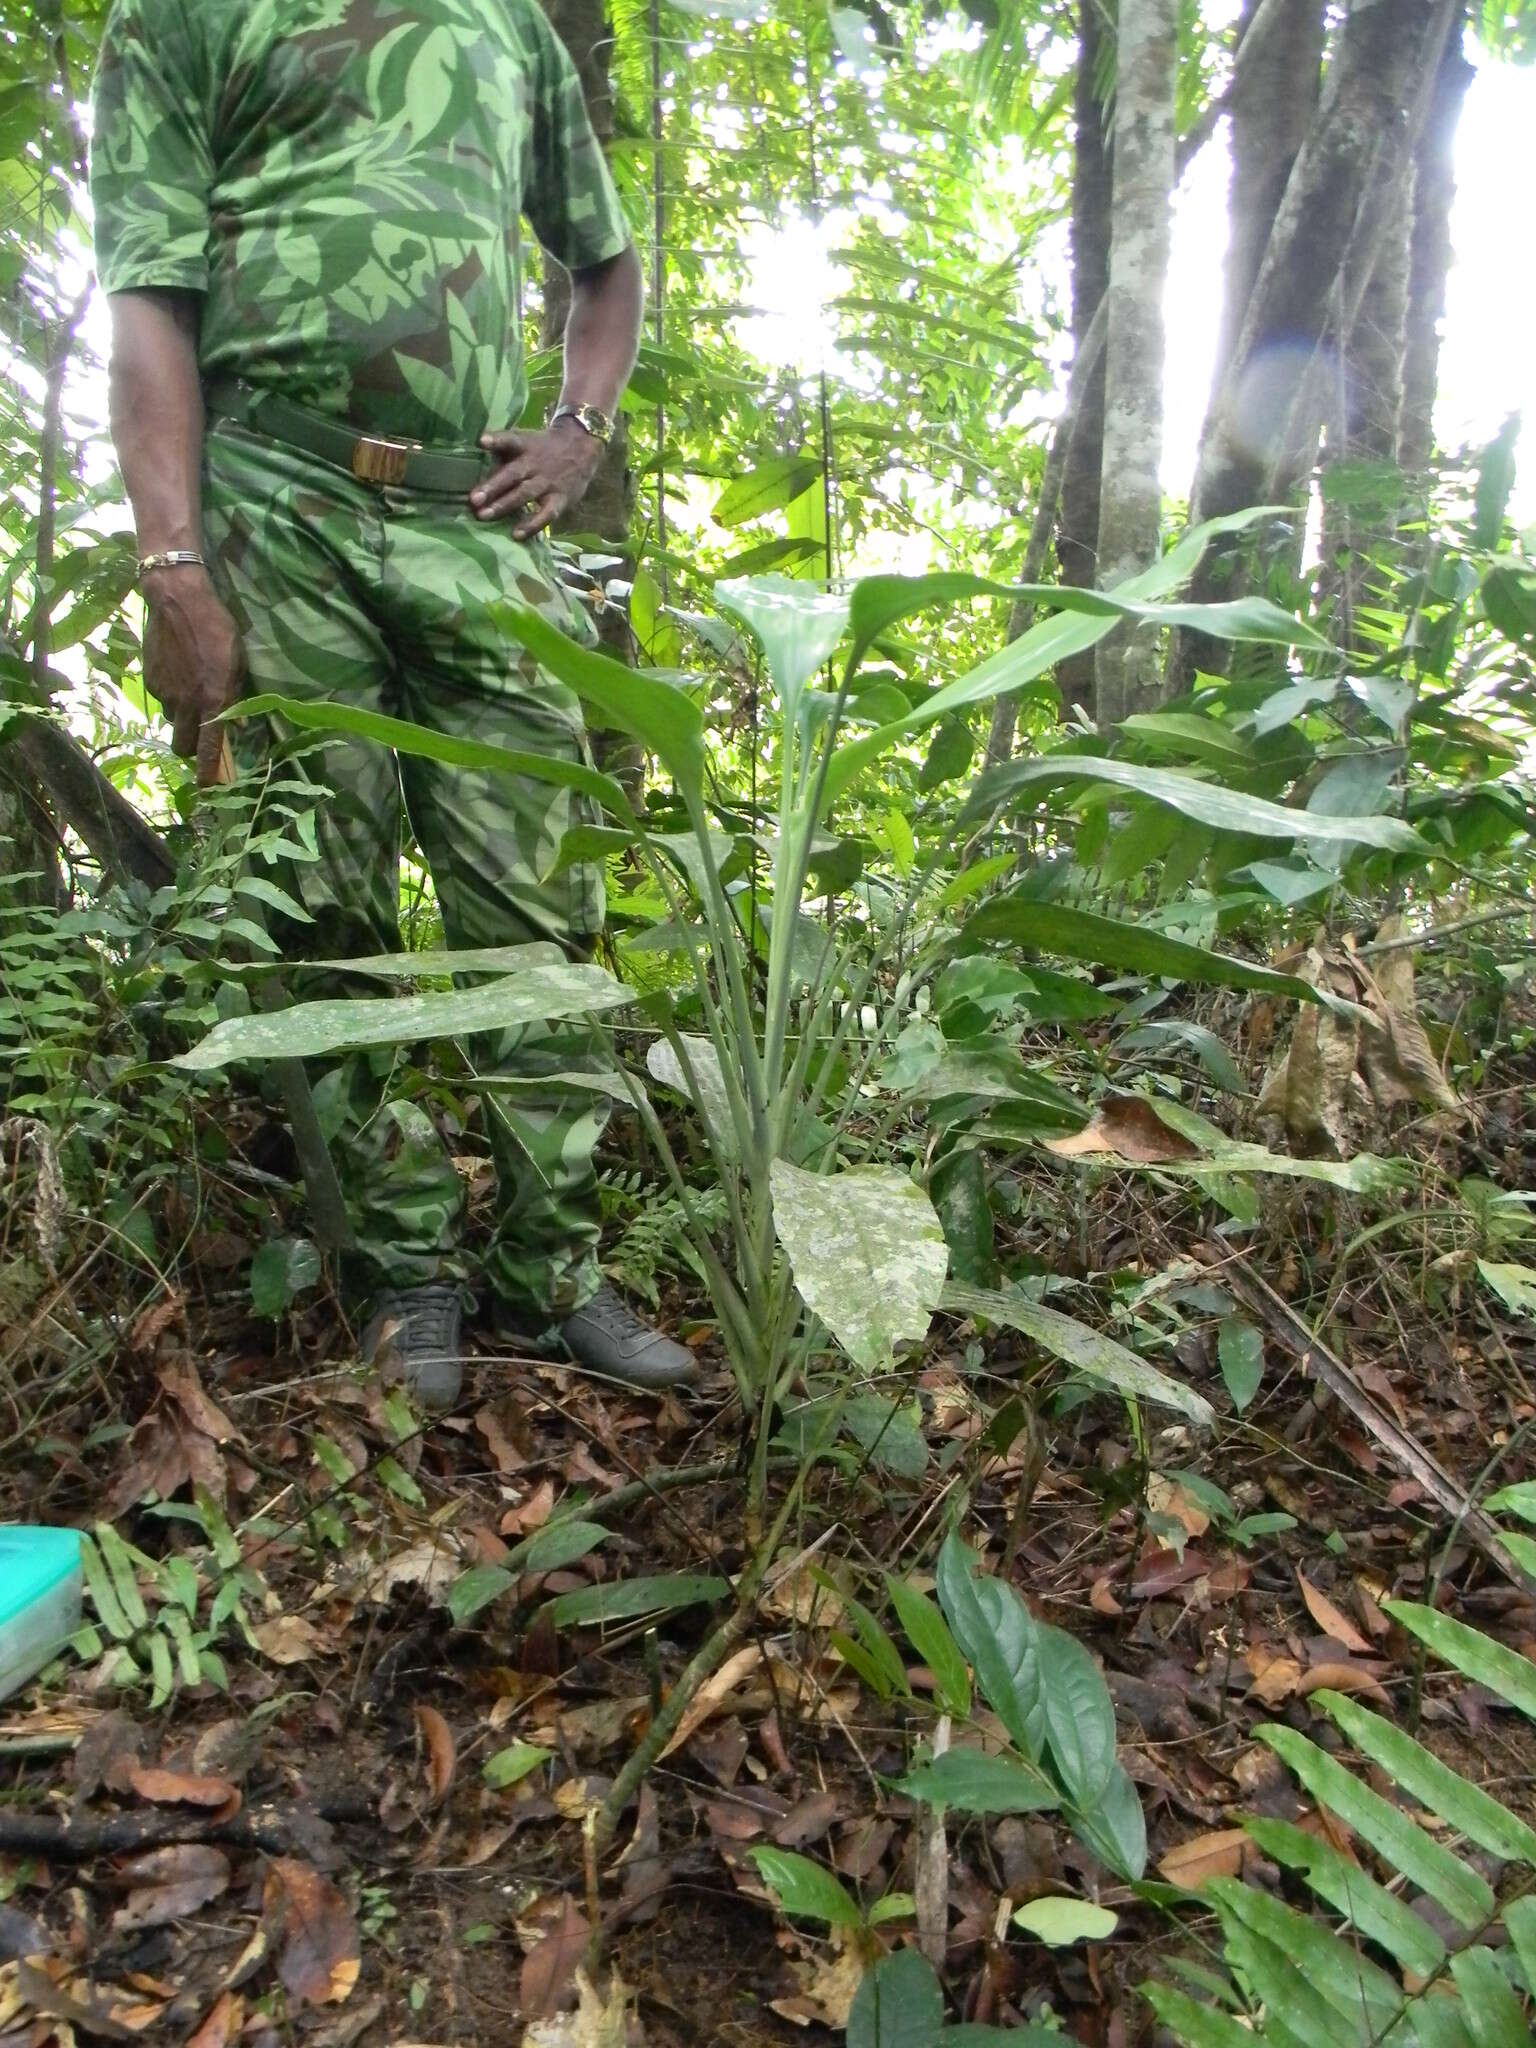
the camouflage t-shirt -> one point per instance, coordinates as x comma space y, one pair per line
342, 180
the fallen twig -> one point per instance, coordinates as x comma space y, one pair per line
1319, 1363
279, 1830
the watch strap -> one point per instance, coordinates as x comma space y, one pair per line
588, 417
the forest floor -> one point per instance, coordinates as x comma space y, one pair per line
320, 1853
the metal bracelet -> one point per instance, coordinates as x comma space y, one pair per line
170, 558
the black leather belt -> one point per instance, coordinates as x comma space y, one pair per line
371, 458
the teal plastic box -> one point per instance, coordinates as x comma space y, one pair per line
40, 1584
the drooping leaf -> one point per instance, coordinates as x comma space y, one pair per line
766, 488
304, 1030
1079, 1716
1209, 803
1115, 1828
622, 1600
804, 1888
1115, 942
798, 625
867, 1253
404, 737
280, 1272
1097, 1357
973, 1782
1320, 1965
1379, 1914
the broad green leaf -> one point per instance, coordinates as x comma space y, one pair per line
1190, 732
1520, 1923
1493, 2011
665, 1593
404, 737
477, 1588
890, 1430
927, 1631
280, 1272
1240, 1354
974, 1782
1466, 1807
1199, 2026
304, 1030
882, 1654
1059, 1921
1514, 1500
1079, 1716
1210, 803
867, 1253
558, 1544
1380, 1915
444, 963
894, 1906
1296, 2014
804, 1888
1115, 1829
1475, 1655
1204, 1043
1354, 1997
626, 699
897, 2005
120, 1563
162, 1672
798, 625
1083, 619
1113, 942
1514, 1284
999, 1635
766, 488
1401, 1841
391, 1473
507, 1766
1095, 1356
703, 1085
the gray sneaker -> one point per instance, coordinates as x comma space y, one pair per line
414, 1335
607, 1337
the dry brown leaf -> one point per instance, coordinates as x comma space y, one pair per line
1367, 1605
1344, 1677
431, 1564
178, 1863
827, 1988
1130, 1127
597, 2022
442, 1757
1275, 1676
1330, 1620
1101, 1597
575, 1797
107, 1754
713, 1694
181, 1382
318, 1961
1221, 1853
221, 2024
549, 1968
182, 1788
505, 1428
1166, 1497
532, 1513
154, 1321
290, 1639
157, 1905
808, 1820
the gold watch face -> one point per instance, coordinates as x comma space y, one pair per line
597, 424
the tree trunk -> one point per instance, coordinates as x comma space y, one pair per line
1274, 97
1077, 533
1131, 499
1261, 431
1434, 193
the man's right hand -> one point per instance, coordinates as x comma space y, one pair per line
193, 662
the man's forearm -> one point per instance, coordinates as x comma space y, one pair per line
157, 415
602, 335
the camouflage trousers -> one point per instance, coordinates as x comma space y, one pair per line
382, 600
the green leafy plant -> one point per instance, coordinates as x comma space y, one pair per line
166, 1637
1291, 1975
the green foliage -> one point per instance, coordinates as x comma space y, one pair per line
1299, 1977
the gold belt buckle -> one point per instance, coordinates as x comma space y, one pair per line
378, 461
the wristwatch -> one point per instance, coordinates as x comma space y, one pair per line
587, 417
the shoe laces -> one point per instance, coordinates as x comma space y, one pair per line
429, 1317
611, 1312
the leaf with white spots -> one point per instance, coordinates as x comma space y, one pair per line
867, 1252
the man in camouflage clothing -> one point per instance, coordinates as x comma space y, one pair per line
307, 222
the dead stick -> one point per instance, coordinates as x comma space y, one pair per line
1319, 1363
279, 1830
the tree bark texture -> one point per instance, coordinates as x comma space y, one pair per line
1434, 194
1131, 496
1261, 430
1077, 533
1275, 90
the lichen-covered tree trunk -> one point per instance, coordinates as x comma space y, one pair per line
1131, 496
1434, 193
1077, 531
1273, 100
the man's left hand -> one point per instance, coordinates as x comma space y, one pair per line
540, 476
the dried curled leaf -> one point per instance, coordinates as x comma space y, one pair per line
318, 1961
